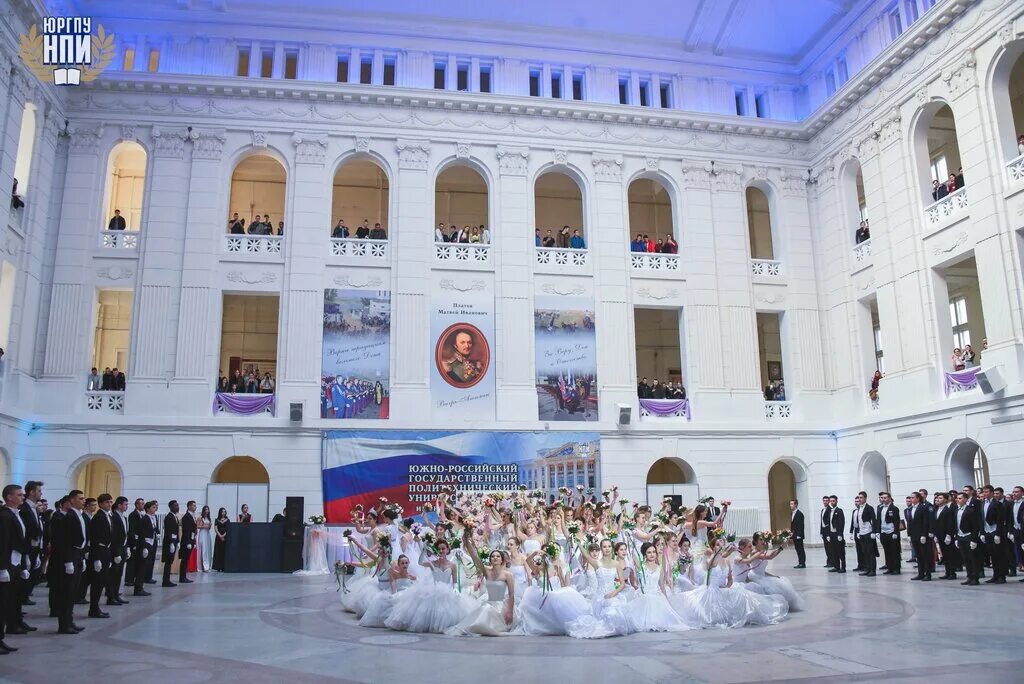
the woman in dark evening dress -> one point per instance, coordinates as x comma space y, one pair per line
221, 534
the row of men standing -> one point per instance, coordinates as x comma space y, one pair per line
968, 531
81, 554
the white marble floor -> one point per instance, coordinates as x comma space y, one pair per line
278, 628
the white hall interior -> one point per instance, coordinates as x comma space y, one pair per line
759, 165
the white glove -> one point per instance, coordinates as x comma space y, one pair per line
923, 539
188, 547
173, 549
874, 536
38, 563
69, 568
948, 540
145, 553
83, 566
997, 540
97, 566
5, 576
828, 539
974, 545
982, 539
24, 574
117, 559
127, 553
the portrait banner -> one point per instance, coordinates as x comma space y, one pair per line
462, 356
355, 370
566, 354
411, 468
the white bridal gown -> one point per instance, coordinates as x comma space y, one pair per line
379, 610
205, 545
548, 612
715, 605
430, 606
314, 552
607, 617
649, 610
774, 585
487, 619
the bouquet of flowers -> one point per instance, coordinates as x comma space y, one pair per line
537, 494
469, 521
317, 520
517, 505
551, 550
484, 553
488, 502
430, 540
715, 533
623, 502
522, 488
629, 525
416, 529
783, 536
607, 494
611, 534
563, 491
383, 540
573, 528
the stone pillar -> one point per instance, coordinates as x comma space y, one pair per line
18, 89
513, 252
411, 240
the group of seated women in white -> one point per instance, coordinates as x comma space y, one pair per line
505, 564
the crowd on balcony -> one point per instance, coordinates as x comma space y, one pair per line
643, 243
775, 391
116, 221
112, 380
952, 184
362, 232
16, 201
1020, 144
660, 390
259, 226
864, 232
565, 238
477, 235
965, 358
247, 382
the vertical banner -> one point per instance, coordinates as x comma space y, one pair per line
412, 468
462, 356
355, 371
566, 344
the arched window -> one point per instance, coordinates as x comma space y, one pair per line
1008, 100
650, 215
673, 478
937, 153
26, 143
968, 465
258, 191
558, 211
98, 475
461, 203
854, 202
786, 480
874, 475
359, 201
760, 224
126, 185
240, 481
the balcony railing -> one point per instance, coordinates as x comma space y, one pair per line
652, 261
766, 268
119, 239
265, 245
373, 251
664, 408
244, 404
463, 253
951, 205
778, 410
104, 402
558, 257
1015, 170
862, 255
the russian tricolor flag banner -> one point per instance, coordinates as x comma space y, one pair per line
411, 468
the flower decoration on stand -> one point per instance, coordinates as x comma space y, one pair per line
317, 520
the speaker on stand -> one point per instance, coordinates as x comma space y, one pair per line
294, 527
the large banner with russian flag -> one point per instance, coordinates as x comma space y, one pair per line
411, 468
566, 344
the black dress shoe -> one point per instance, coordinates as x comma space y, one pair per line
869, 574
66, 630
5, 649
17, 631
1001, 580
77, 628
98, 614
30, 628
859, 569
185, 581
168, 584
150, 581
141, 592
120, 600
897, 572
833, 570
83, 602
799, 567
841, 571
974, 583
919, 577
884, 567
926, 578
29, 602
990, 581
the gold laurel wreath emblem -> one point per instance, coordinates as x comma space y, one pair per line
103, 52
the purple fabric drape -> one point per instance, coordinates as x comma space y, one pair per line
666, 407
965, 379
245, 404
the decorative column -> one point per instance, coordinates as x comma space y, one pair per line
412, 239
513, 245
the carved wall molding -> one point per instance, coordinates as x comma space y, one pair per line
561, 157
12, 246
564, 291
727, 178
413, 154
169, 142
128, 132
208, 143
362, 145
887, 130
607, 167
769, 297
658, 293
512, 161
695, 175
462, 286
961, 239
371, 282
252, 278
462, 150
652, 164
85, 140
115, 273
963, 77
310, 148
259, 138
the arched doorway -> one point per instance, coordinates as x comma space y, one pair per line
360, 196
126, 186
461, 203
672, 477
558, 210
97, 475
650, 210
937, 152
874, 475
240, 480
854, 202
760, 224
786, 480
1008, 98
258, 191
968, 465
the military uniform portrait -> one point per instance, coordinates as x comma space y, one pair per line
462, 355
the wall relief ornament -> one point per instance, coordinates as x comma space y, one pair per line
561, 157
958, 241
564, 291
652, 164
208, 143
1005, 34
259, 138
85, 140
462, 150
128, 132
363, 145
962, 77
658, 293
310, 148
115, 273
252, 278
358, 283
696, 175
887, 131
726, 178
413, 154
512, 161
607, 167
461, 286
169, 142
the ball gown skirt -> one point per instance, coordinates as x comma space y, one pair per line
649, 609
607, 616
487, 618
379, 609
548, 613
779, 586
715, 606
432, 606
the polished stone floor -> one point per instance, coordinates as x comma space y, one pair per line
278, 628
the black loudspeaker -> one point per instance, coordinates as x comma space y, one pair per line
294, 514
291, 555
296, 412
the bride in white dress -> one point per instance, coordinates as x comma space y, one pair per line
757, 556
431, 605
366, 587
650, 611
494, 615
697, 527
379, 609
546, 611
607, 615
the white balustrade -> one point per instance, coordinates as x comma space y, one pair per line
264, 245
119, 239
766, 268
469, 254
372, 251
559, 257
778, 410
951, 205
653, 261
1015, 169
862, 253
104, 402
